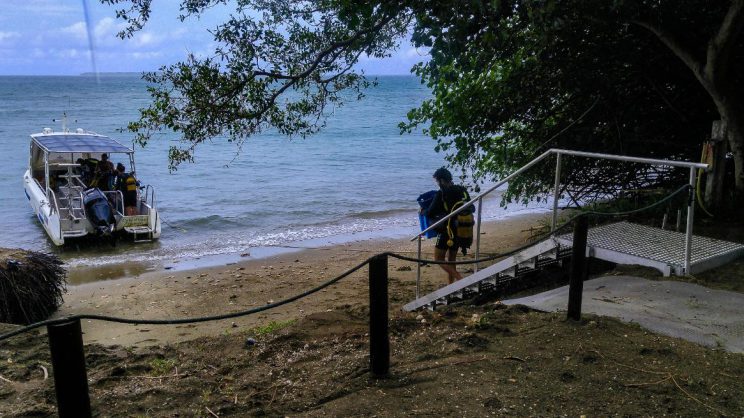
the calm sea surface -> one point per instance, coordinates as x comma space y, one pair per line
357, 178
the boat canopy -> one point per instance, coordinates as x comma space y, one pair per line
79, 143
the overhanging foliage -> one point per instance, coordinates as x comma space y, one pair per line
509, 78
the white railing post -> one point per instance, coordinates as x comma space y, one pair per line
478, 233
556, 190
690, 218
418, 269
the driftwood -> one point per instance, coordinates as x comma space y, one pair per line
31, 286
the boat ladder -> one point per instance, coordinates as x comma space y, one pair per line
140, 230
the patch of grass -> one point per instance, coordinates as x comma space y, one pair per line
271, 327
160, 366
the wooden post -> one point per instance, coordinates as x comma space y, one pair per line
578, 267
379, 342
68, 366
713, 196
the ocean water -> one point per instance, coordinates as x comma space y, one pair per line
355, 179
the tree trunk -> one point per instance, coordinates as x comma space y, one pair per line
733, 117
731, 108
715, 175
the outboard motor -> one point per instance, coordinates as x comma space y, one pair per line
99, 212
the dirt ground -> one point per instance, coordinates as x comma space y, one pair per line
468, 361
311, 358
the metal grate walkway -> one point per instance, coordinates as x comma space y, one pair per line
629, 243
622, 242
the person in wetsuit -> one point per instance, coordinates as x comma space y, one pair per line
104, 171
447, 240
127, 184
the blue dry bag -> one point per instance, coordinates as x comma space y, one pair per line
425, 201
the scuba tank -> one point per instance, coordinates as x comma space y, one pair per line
461, 226
130, 183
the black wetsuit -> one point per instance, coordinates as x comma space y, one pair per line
127, 184
446, 198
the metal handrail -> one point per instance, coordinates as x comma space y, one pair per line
150, 192
54, 208
652, 161
82, 204
556, 196
52, 199
118, 199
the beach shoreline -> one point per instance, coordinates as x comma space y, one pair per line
252, 282
81, 274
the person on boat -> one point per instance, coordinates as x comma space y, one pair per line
86, 169
127, 184
103, 175
449, 197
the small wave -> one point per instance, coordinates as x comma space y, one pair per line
223, 239
381, 214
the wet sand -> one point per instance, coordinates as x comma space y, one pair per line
247, 282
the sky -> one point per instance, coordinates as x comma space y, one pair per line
50, 37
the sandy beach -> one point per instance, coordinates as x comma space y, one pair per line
314, 360
251, 282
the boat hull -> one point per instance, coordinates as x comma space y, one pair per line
44, 211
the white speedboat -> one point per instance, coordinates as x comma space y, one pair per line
72, 199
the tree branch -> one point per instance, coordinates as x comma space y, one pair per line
293, 79
677, 48
720, 47
333, 47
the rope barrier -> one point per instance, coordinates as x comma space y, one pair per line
186, 320
323, 285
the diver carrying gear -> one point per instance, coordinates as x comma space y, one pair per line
450, 197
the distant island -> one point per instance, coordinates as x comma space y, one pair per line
112, 74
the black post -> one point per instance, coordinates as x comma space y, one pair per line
578, 267
379, 343
68, 365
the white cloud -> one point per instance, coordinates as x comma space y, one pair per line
178, 33
104, 31
54, 35
77, 29
6, 36
146, 39
145, 55
106, 27
42, 7
69, 53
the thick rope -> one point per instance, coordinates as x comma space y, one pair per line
185, 320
